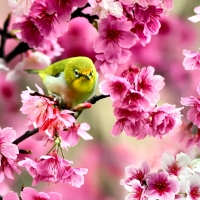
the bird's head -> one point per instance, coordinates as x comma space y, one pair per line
80, 74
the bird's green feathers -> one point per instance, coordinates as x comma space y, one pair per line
73, 79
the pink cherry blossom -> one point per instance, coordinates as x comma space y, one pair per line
37, 108
53, 169
29, 32
114, 38
194, 112
30, 193
116, 87
74, 176
149, 84
7, 148
72, 134
164, 119
136, 191
161, 186
64, 8
195, 18
193, 187
8, 166
47, 20
145, 22
135, 100
11, 196
191, 60
133, 173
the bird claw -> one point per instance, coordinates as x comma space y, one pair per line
59, 100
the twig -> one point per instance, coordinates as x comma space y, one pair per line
20, 48
96, 98
26, 135
3, 35
78, 13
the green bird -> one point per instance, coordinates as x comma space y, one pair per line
72, 79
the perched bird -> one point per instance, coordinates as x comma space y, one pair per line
72, 79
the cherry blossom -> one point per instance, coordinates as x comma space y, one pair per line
177, 166
114, 38
105, 7
193, 187
72, 134
53, 169
37, 108
29, 193
191, 60
133, 173
193, 102
161, 186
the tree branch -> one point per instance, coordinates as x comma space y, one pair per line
26, 135
3, 35
96, 98
20, 48
78, 13
23, 151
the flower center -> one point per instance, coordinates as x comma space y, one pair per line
113, 35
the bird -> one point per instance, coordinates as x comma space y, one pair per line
71, 80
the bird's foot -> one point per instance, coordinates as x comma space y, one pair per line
59, 101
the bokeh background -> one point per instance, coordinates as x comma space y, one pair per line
106, 156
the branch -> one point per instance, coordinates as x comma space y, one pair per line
26, 135
3, 35
23, 151
20, 48
78, 13
96, 98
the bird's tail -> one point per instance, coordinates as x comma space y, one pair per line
32, 71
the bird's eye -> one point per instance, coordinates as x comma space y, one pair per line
91, 73
76, 73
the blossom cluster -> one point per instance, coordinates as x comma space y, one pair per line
54, 124
134, 94
30, 193
41, 22
53, 169
178, 178
57, 126
122, 24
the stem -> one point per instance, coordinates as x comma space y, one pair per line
3, 35
1, 198
96, 98
20, 48
26, 135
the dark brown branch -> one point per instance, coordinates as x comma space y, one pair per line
96, 98
3, 35
23, 151
78, 13
19, 49
8, 35
26, 135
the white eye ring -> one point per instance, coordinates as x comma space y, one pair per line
76, 73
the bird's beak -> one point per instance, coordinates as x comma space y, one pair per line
87, 76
